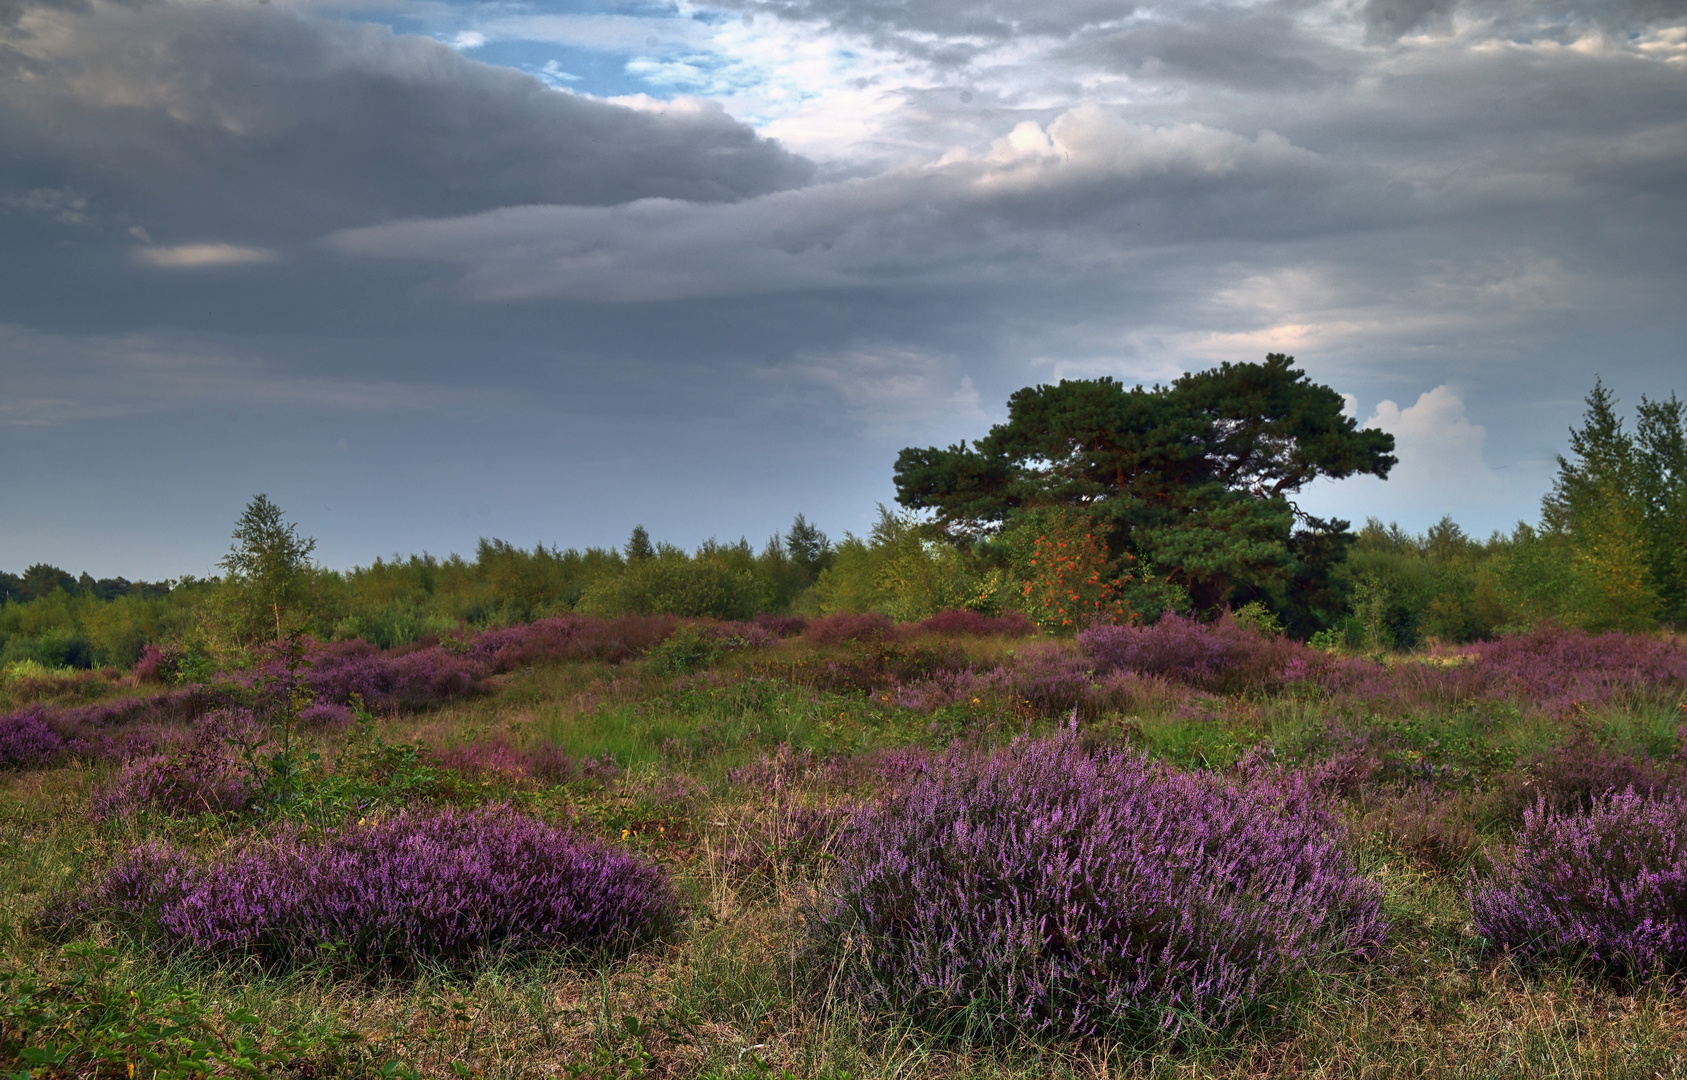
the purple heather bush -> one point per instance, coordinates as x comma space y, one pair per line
388, 682
326, 716
1547, 671
741, 635
26, 739
1047, 680
848, 626
564, 637
1043, 889
1222, 655
107, 731
974, 624
203, 776
452, 888
1604, 889
782, 626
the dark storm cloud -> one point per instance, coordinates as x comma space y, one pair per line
1063, 203
1249, 48
252, 126
945, 31
375, 278
1389, 20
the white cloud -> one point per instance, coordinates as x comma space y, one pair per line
1438, 447
191, 256
1442, 466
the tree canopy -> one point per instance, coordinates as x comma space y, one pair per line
1194, 478
268, 559
1620, 503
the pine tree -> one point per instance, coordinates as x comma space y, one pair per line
1597, 506
1661, 466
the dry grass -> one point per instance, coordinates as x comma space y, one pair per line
736, 995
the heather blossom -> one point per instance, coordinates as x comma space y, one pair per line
1605, 889
449, 887
1043, 889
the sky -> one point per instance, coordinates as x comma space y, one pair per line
427, 271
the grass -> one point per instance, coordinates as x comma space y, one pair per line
736, 995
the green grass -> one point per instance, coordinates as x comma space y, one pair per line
736, 994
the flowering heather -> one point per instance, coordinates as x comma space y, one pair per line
1606, 889
108, 730
450, 887
203, 777
1547, 671
1046, 680
563, 637
1046, 890
326, 716
1223, 655
846, 626
973, 624
1553, 666
26, 740
388, 682
418, 677
782, 626
741, 635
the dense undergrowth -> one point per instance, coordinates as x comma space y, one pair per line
847, 846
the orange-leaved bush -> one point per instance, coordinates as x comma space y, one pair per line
1071, 582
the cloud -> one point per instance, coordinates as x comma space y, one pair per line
1436, 443
52, 379
62, 206
1038, 202
888, 392
185, 256
265, 126
1442, 466
489, 277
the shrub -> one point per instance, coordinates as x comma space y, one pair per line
1605, 890
694, 647
158, 664
965, 623
387, 682
326, 716
782, 626
1224, 655
1431, 826
564, 637
449, 887
1546, 671
203, 777
1040, 889
1574, 775
848, 626
26, 739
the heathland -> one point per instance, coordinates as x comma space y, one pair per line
1062, 779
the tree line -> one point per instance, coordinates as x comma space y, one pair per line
1094, 501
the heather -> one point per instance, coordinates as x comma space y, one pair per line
1042, 889
763, 772
1603, 889
203, 775
449, 887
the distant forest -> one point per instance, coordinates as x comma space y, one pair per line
1007, 524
